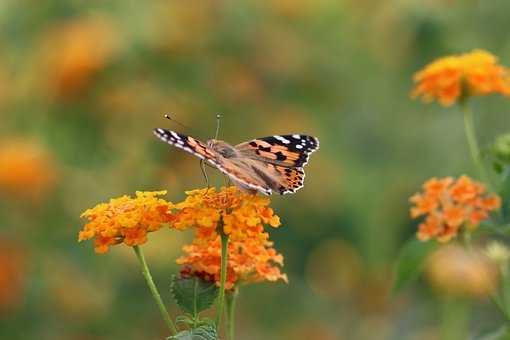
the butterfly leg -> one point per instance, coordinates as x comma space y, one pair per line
204, 173
226, 180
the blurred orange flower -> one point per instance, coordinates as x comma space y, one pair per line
455, 271
13, 264
451, 78
125, 220
76, 51
242, 216
450, 204
26, 169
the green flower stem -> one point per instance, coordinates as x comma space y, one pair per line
455, 316
223, 273
466, 238
155, 294
498, 301
231, 310
473, 143
504, 302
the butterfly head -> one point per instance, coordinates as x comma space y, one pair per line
221, 147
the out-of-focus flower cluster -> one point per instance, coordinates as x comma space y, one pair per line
453, 270
75, 51
26, 169
251, 257
125, 220
451, 78
449, 204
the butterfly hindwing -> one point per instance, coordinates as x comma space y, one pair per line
289, 180
286, 150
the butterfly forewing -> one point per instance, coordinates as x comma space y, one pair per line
188, 144
287, 150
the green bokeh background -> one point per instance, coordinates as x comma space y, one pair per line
87, 81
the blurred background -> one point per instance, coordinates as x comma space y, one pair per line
83, 83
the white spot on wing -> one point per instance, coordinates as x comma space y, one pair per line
296, 136
299, 146
282, 139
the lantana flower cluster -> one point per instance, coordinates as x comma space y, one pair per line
449, 204
240, 216
451, 78
125, 220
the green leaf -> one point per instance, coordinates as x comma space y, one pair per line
410, 262
504, 192
501, 333
199, 333
193, 294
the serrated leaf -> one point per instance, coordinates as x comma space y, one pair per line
410, 262
193, 294
199, 333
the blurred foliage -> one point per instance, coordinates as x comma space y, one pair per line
82, 84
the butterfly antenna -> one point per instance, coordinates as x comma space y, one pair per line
218, 118
167, 116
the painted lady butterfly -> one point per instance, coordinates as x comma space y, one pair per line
265, 164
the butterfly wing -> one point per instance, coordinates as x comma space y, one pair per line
288, 150
244, 174
279, 160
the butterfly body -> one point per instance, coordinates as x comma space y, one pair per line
267, 165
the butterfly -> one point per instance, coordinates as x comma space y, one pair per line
267, 165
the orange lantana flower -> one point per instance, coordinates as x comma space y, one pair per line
241, 216
450, 204
458, 76
126, 220
249, 261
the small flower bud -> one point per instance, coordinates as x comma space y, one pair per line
502, 149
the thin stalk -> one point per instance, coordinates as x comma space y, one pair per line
505, 299
474, 149
223, 273
455, 316
497, 301
466, 238
231, 310
155, 294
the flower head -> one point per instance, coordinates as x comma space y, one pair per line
26, 169
74, 52
241, 216
249, 260
450, 204
126, 220
453, 270
453, 77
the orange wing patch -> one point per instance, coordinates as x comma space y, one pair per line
291, 179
